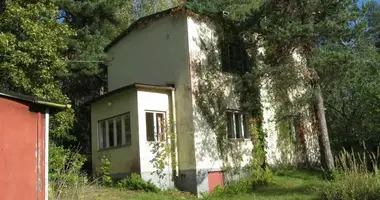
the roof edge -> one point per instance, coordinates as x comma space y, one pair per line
135, 23
134, 85
35, 100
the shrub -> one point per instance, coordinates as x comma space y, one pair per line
65, 176
135, 182
258, 178
103, 172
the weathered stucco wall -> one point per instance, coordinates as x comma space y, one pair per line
157, 53
149, 100
213, 93
126, 159
293, 141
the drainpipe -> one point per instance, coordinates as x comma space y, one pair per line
47, 154
175, 131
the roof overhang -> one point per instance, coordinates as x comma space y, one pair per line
134, 85
34, 100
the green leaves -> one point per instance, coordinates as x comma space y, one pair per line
32, 46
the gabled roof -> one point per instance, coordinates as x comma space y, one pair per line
157, 15
34, 100
134, 85
142, 20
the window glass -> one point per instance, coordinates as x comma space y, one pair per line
149, 119
102, 134
230, 125
160, 126
118, 131
238, 125
111, 133
127, 129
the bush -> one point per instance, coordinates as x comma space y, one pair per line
103, 172
258, 178
135, 182
65, 176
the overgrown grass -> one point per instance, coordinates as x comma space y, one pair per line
356, 178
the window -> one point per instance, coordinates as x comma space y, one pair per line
114, 132
237, 126
127, 135
234, 58
155, 126
102, 134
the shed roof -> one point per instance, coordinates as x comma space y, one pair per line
34, 100
134, 85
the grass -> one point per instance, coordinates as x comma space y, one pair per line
289, 185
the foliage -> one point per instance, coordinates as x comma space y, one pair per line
164, 151
65, 174
135, 182
103, 172
351, 84
32, 56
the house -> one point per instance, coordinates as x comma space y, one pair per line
24, 134
167, 76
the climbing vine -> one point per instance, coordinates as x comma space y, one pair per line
164, 151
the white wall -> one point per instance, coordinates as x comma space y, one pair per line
157, 53
206, 72
153, 101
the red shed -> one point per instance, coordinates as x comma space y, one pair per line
24, 130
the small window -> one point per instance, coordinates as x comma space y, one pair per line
114, 132
155, 126
237, 125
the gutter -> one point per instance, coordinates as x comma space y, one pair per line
51, 104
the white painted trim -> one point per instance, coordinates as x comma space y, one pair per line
47, 154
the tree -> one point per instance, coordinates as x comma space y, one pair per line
288, 26
32, 47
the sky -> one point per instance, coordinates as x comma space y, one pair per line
364, 1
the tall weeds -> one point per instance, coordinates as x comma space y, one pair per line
356, 177
66, 181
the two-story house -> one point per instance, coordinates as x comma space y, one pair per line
167, 75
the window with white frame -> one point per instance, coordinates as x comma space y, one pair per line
237, 126
115, 131
155, 126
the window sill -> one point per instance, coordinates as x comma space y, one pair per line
239, 139
115, 147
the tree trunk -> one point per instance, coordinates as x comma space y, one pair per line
328, 160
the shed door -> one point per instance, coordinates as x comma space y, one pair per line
215, 179
21, 149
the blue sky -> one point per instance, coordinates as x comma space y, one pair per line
364, 1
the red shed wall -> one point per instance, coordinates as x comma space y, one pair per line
21, 151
